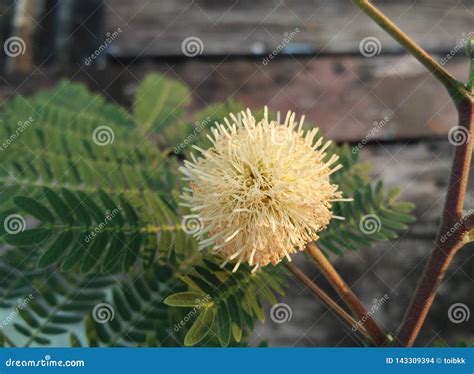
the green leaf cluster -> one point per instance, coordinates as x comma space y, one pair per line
99, 223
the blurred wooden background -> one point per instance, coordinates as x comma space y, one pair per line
318, 69
303, 55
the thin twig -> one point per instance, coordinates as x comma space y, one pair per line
349, 298
434, 67
326, 299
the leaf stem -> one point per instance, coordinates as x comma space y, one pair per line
326, 299
349, 298
453, 86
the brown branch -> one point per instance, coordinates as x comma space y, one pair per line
327, 300
349, 298
446, 245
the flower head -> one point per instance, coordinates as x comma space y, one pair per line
262, 191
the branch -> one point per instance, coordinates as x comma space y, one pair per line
327, 300
446, 246
452, 230
349, 298
454, 87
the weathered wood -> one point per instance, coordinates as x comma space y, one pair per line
348, 97
158, 28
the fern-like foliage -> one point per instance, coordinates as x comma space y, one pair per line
103, 235
140, 316
375, 214
45, 304
95, 190
223, 303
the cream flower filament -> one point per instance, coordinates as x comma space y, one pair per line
262, 190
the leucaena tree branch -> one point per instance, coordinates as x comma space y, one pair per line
452, 218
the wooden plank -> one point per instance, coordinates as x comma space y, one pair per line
158, 28
349, 98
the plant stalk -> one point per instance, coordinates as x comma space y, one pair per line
327, 300
453, 86
445, 246
349, 298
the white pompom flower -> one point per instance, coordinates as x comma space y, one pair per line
263, 190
